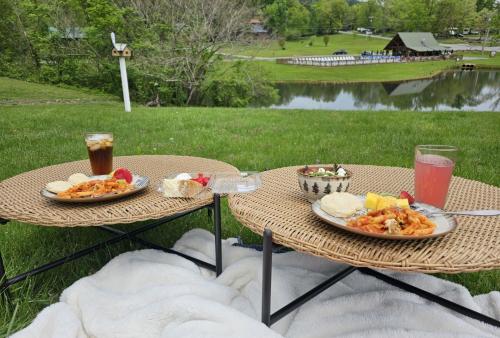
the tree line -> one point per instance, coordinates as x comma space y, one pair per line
175, 47
295, 18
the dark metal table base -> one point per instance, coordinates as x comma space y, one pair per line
269, 319
5, 282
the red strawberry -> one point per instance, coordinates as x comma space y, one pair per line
123, 174
203, 180
406, 194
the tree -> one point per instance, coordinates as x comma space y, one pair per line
410, 15
330, 15
277, 16
454, 14
194, 34
282, 43
370, 15
326, 40
287, 18
488, 4
298, 20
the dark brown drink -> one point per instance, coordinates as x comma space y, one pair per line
100, 149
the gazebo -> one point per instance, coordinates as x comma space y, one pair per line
414, 44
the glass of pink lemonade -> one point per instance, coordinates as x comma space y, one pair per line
433, 168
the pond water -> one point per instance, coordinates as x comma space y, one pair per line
453, 90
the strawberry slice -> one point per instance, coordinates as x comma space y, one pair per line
203, 180
406, 194
123, 174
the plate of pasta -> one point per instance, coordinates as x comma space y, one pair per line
94, 189
397, 223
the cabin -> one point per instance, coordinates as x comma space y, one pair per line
70, 33
257, 28
414, 44
407, 87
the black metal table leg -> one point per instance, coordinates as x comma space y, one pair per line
293, 305
158, 247
431, 297
267, 264
3, 275
124, 235
218, 235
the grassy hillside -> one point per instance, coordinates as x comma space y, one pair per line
354, 44
16, 91
252, 139
361, 73
368, 73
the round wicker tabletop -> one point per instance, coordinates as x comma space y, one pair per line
280, 205
20, 197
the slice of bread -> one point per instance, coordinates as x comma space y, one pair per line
181, 188
341, 204
58, 186
189, 188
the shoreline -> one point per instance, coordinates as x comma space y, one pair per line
434, 74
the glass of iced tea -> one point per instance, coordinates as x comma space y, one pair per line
100, 149
433, 168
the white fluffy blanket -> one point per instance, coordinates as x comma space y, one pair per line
149, 293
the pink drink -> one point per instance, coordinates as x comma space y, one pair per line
432, 178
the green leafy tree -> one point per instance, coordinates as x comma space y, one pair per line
454, 14
326, 40
287, 18
282, 43
330, 15
410, 15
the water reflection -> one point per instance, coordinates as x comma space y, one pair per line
454, 90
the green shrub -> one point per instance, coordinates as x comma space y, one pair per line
239, 85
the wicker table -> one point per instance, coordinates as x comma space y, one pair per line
280, 213
20, 200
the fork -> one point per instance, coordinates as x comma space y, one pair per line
490, 212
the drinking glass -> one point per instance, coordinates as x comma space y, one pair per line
433, 168
100, 149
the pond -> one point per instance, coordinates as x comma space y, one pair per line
452, 90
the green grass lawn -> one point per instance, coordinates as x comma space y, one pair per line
367, 73
251, 139
25, 92
361, 73
354, 44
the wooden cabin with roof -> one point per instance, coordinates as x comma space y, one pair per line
415, 44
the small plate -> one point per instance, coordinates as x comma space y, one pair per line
445, 224
235, 183
140, 183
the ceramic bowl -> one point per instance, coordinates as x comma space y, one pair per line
315, 187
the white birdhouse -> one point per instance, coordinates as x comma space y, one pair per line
122, 51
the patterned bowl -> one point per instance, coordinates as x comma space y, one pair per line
315, 187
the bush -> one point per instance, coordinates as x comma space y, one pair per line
282, 43
326, 40
239, 85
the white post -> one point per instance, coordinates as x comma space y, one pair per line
123, 74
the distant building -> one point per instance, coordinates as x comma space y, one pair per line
406, 88
415, 44
70, 33
257, 28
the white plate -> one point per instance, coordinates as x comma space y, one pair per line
444, 224
140, 183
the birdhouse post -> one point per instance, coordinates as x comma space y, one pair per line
121, 51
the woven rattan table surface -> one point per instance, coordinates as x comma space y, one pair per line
280, 205
20, 197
